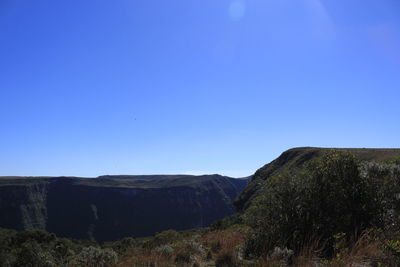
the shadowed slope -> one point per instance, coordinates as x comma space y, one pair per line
112, 207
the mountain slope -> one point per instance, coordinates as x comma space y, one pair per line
296, 158
112, 207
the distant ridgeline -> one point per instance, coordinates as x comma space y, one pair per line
113, 207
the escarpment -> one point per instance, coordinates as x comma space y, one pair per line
113, 207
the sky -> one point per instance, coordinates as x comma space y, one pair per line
98, 87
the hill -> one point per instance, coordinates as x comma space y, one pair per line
295, 158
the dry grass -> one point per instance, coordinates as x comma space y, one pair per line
224, 240
308, 256
224, 248
366, 251
180, 253
147, 259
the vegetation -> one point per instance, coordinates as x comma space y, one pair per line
325, 208
329, 205
38, 248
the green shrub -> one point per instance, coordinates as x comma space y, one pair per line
122, 246
226, 258
167, 236
31, 254
164, 250
95, 257
183, 256
333, 194
392, 247
35, 248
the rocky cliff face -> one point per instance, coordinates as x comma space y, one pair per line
23, 206
113, 207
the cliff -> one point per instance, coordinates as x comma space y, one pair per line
113, 207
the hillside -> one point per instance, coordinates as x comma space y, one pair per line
113, 207
296, 158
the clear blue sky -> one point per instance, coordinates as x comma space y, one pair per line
150, 86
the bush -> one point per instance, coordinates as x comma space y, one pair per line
226, 258
183, 256
33, 255
194, 247
96, 257
35, 248
333, 194
122, 246
281, 254
165, 237
164, 250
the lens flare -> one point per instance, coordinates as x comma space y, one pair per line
237, 10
